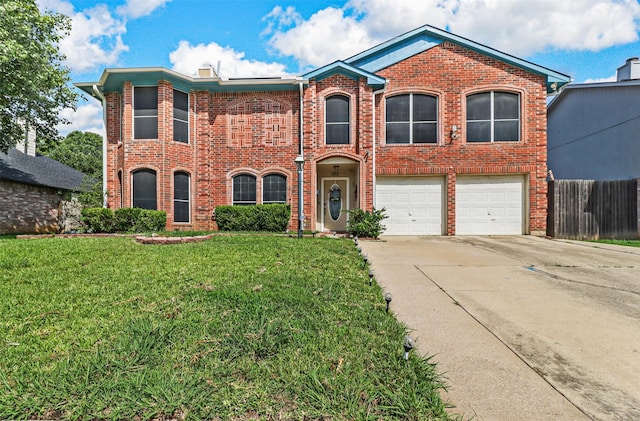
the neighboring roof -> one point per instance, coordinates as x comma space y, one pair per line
575, 87
38, 171
113, 79
426, 37
340, 67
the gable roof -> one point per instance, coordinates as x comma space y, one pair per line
340, 67
426, 37
38, 171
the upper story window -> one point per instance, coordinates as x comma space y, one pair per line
180, 116
493, 117
274, 189
145, 112
181, 195
144, 189
337, 120
244, 189
411, 118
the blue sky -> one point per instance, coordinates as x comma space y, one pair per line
586, 39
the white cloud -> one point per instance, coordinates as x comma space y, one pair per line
612, 78
524, 28
138, 8
188, 58
517, 27
95, 39
328, 35
87, 118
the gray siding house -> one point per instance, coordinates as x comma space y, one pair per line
594, 129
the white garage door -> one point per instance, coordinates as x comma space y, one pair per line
490, 205
413, 204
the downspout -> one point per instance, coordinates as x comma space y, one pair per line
373, 179
300, 164
301, 148
99, 95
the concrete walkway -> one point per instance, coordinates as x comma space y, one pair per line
488, 378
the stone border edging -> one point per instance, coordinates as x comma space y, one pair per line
173, 240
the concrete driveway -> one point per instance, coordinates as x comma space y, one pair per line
523, 328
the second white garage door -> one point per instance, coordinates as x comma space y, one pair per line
490, 205
414, 204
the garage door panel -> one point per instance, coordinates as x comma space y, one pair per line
413, 204
490, 205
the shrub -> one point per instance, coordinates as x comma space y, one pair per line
98, 220
151, 221
366, 223
132, 220
125, 219
273, 217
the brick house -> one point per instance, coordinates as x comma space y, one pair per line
447, 134
37, 192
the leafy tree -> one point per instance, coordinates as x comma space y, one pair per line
82, 151
34, 83
79, 150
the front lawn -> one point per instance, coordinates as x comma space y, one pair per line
233, 328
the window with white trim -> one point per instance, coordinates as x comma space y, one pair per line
337, 116
180, 116
274, 189
181, 195
145, 112
144, 189
493, 117
244, 190
411, 118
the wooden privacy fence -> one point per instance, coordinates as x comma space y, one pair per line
592, 210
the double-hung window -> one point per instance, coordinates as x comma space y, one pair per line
181, 203
180, 116
244, 190
337, 120
144, 189
145, 112
493, 117
274, 189
411, 118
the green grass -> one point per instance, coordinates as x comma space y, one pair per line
629, 243
234, 328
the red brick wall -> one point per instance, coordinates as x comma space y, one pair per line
451, 73
258, 133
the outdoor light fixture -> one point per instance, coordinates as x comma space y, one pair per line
387, 298
299, 164
370, 277
355, 240
408, 346
359, 249
365, 258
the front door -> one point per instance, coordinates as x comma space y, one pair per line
335, 203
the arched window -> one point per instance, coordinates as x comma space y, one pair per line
181, 197
274, 189
493, 117
244, 189
144, 189
337, 120
411, 118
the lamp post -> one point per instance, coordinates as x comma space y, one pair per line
299, 164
